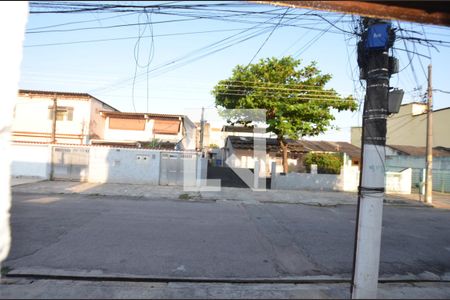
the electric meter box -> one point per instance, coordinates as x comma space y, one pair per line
378, 36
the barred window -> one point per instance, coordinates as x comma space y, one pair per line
63, 113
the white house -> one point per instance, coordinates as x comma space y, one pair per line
178, 131
238, 152
78, 118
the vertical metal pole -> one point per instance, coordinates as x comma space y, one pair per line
429, 162
202, 130
54, 110
371, 190
53, 137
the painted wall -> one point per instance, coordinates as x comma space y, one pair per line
355, 136
121, 165
408, 127
101, 165
190, 138
142, 135
399, 182
97, 122
441, 169
31, 116
305, 181
348, 181
242, 158
30, 160
128, 135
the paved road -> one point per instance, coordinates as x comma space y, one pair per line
107, 235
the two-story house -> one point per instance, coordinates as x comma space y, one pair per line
78, 118
148, 129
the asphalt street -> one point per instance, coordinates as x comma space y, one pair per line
116, 235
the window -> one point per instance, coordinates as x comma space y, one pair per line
166, 126
126, 124
63, 113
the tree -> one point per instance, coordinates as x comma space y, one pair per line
327, 163
295, 99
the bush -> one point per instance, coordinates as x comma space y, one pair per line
327, 163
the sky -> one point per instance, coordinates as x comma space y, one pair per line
172, 65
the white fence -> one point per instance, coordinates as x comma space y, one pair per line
30, 161
346, 181
399, 182
102, 164
441, 170
122, 165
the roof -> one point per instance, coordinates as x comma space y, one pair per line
324, 146
246, 143
138, 115
228, 128
64, 94
239, 142
420, 151
132, 115
165, 145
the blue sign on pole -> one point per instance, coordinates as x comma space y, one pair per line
378, 36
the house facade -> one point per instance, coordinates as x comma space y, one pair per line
238, 153
78, 118
399, 157
409, 127
148, 130
215, 137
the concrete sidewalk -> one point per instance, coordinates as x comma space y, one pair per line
19, 180
318, 198
67, 289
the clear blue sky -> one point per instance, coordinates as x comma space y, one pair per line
106, 69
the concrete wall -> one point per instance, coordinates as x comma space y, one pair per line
399, 182
347, 181
121, 165
30, 160
190, 138
412, 119
441, 169
101, 165
305, 181
355, 136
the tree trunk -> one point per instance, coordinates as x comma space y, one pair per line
284, 150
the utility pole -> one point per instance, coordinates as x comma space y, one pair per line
373, 59
202, 130
54, 110
429, 162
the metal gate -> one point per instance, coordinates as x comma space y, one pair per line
70, 163
178, 168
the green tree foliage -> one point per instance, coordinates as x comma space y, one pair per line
295, 99
154, 143
327, 163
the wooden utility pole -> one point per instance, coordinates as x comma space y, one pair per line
54, 110
374, 62
429, 161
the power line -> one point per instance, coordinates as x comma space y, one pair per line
268, 37
81, 22
213, 45
131, 37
